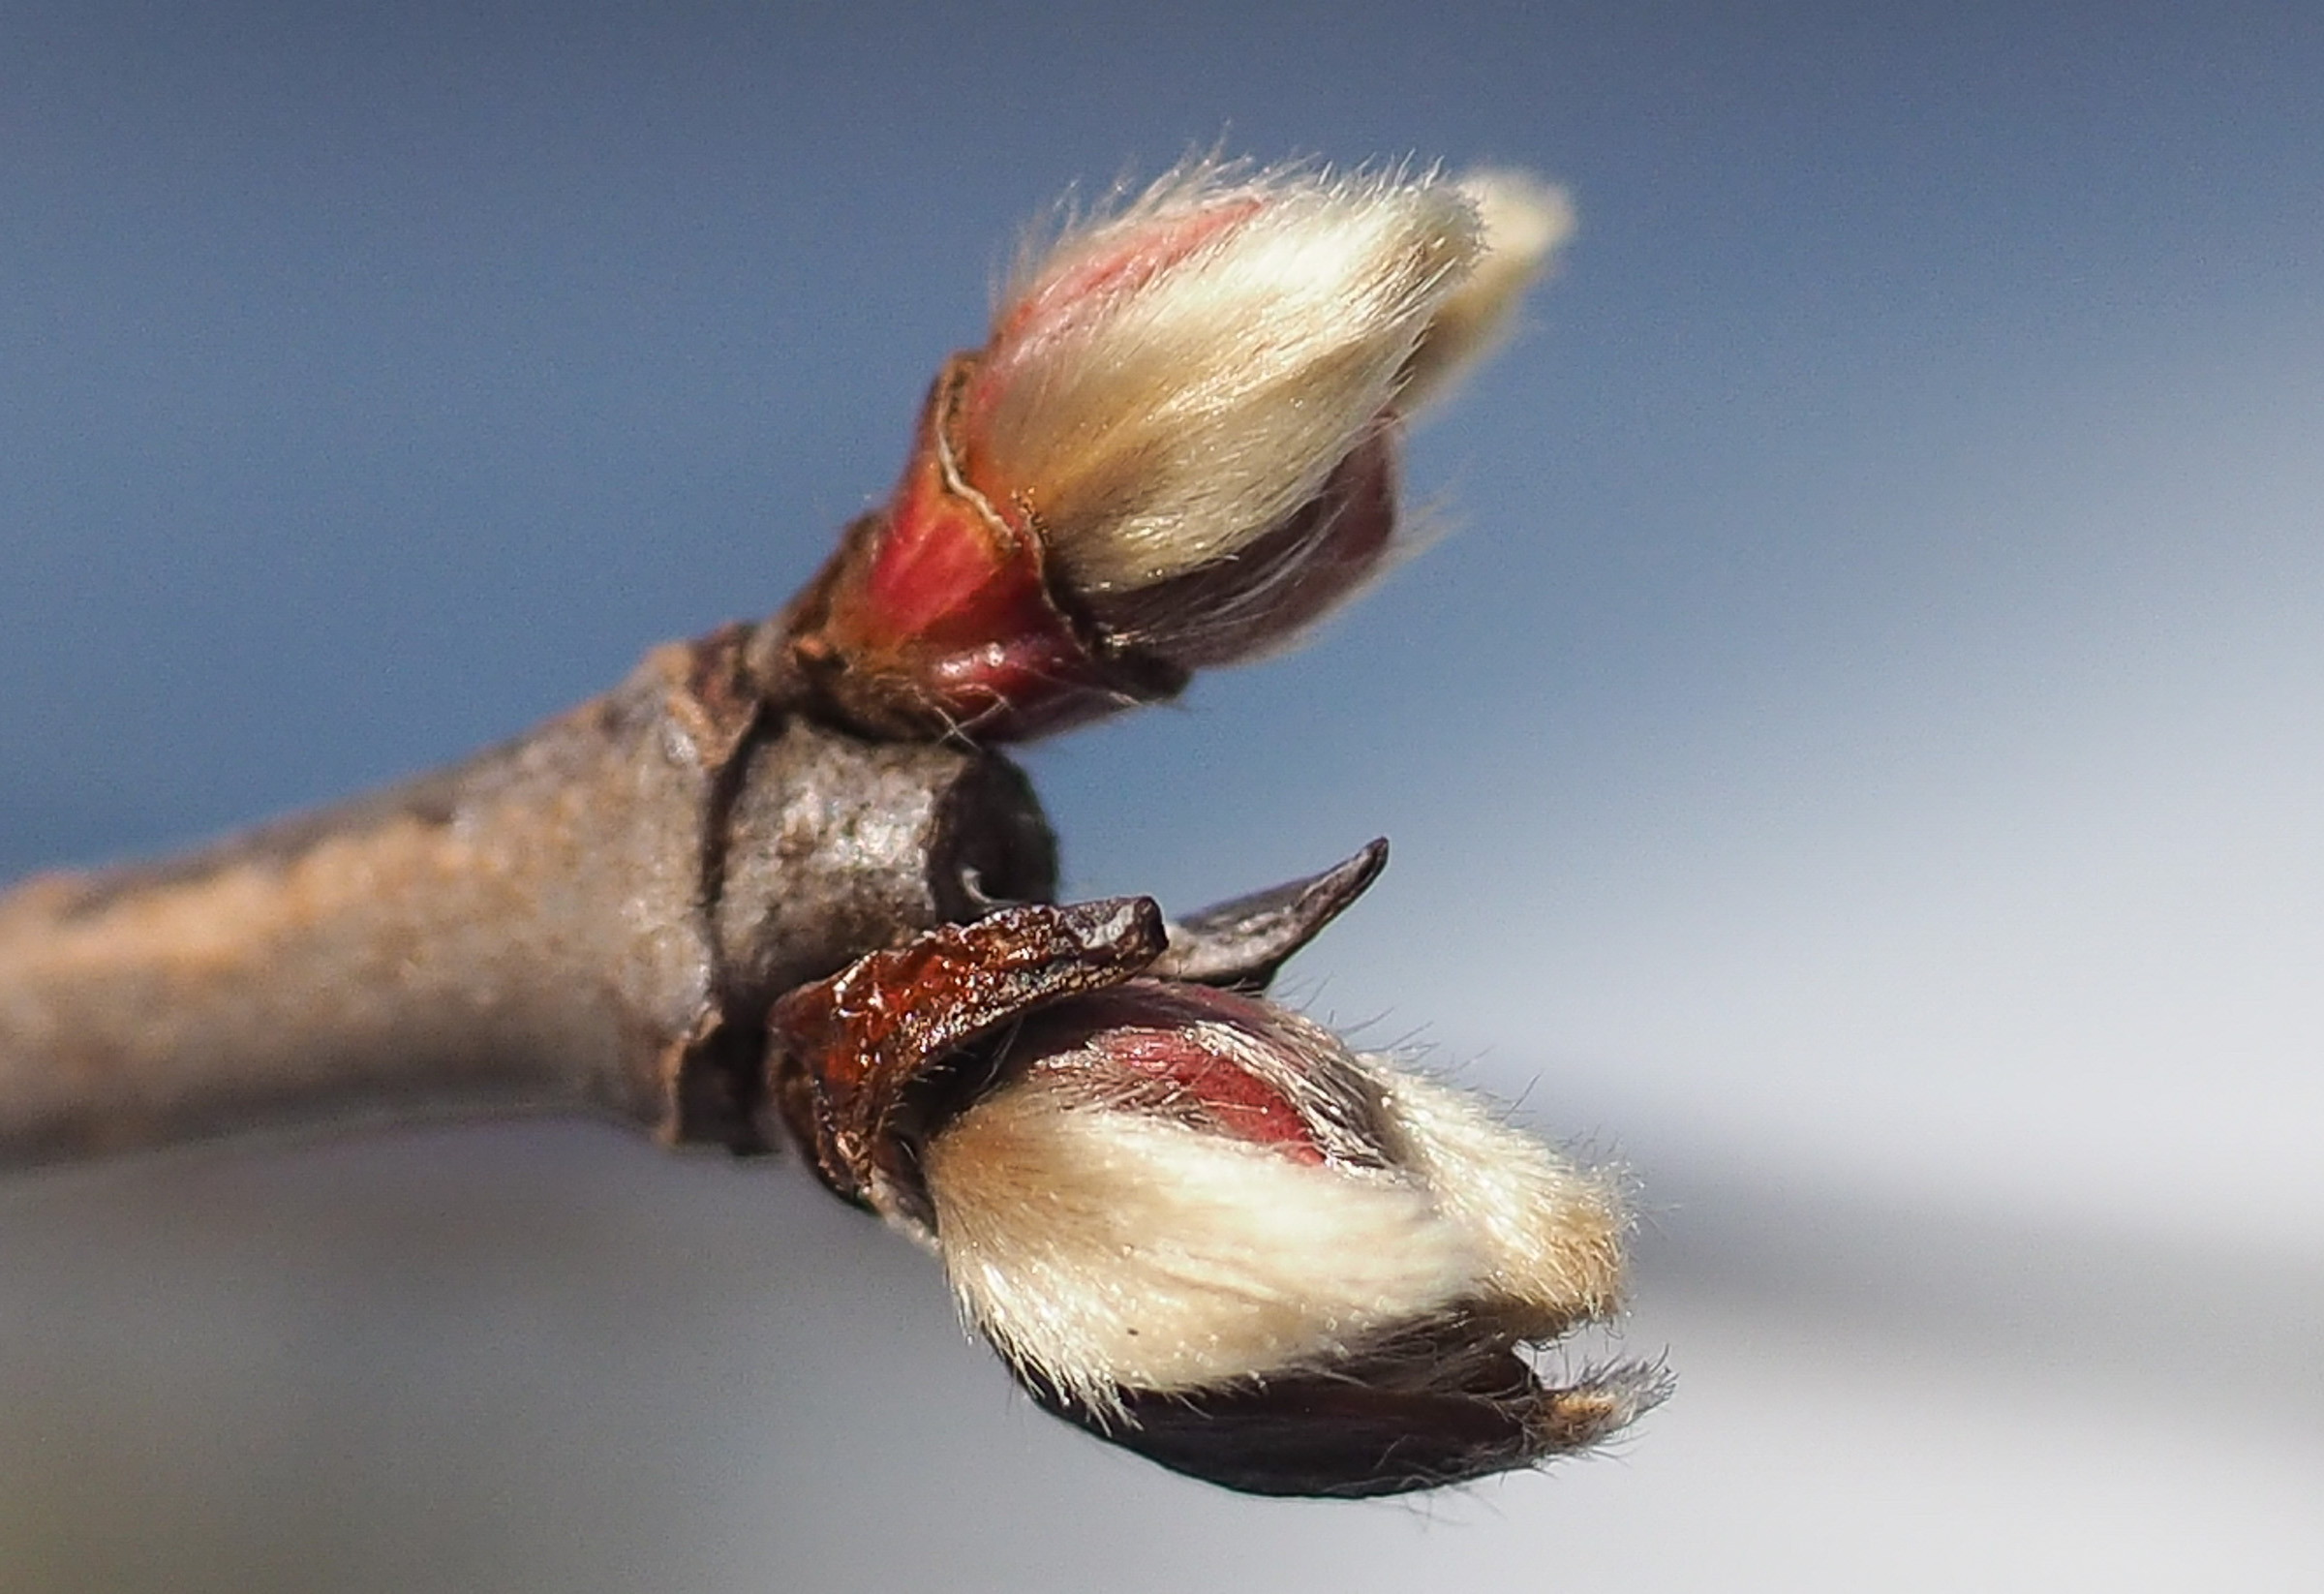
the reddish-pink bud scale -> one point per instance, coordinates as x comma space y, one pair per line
1158, 1046
943, 612
945, 576
1235, 1100
1088, 284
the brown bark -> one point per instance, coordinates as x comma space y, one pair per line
596, 915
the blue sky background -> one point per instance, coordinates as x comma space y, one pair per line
1857, 754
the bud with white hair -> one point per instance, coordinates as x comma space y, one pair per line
1177, 449
1195, 1222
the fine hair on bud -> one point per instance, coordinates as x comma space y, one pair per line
1194, 1222
1170, 380
1173, 1200
1176, 450
1525, 221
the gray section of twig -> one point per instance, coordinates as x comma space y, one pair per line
594, 915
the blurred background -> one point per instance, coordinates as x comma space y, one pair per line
1857, 756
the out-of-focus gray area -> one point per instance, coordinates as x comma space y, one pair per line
553, 1358
1854, 756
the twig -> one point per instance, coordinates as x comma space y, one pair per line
598, 915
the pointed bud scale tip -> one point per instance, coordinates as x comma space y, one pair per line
1178, 449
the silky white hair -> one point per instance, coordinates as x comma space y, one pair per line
1526, 220
1101, 1247
1170, 380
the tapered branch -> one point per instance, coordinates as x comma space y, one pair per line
596, 915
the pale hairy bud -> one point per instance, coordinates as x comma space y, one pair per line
1195, 1222
1174, 381
1178, 449
1171, 1187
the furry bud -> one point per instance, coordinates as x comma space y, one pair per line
1197, 1223
1176, 1200
1178, 449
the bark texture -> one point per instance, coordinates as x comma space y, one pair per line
596, 915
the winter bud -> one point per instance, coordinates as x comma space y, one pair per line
1195, 1222
1178, 449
